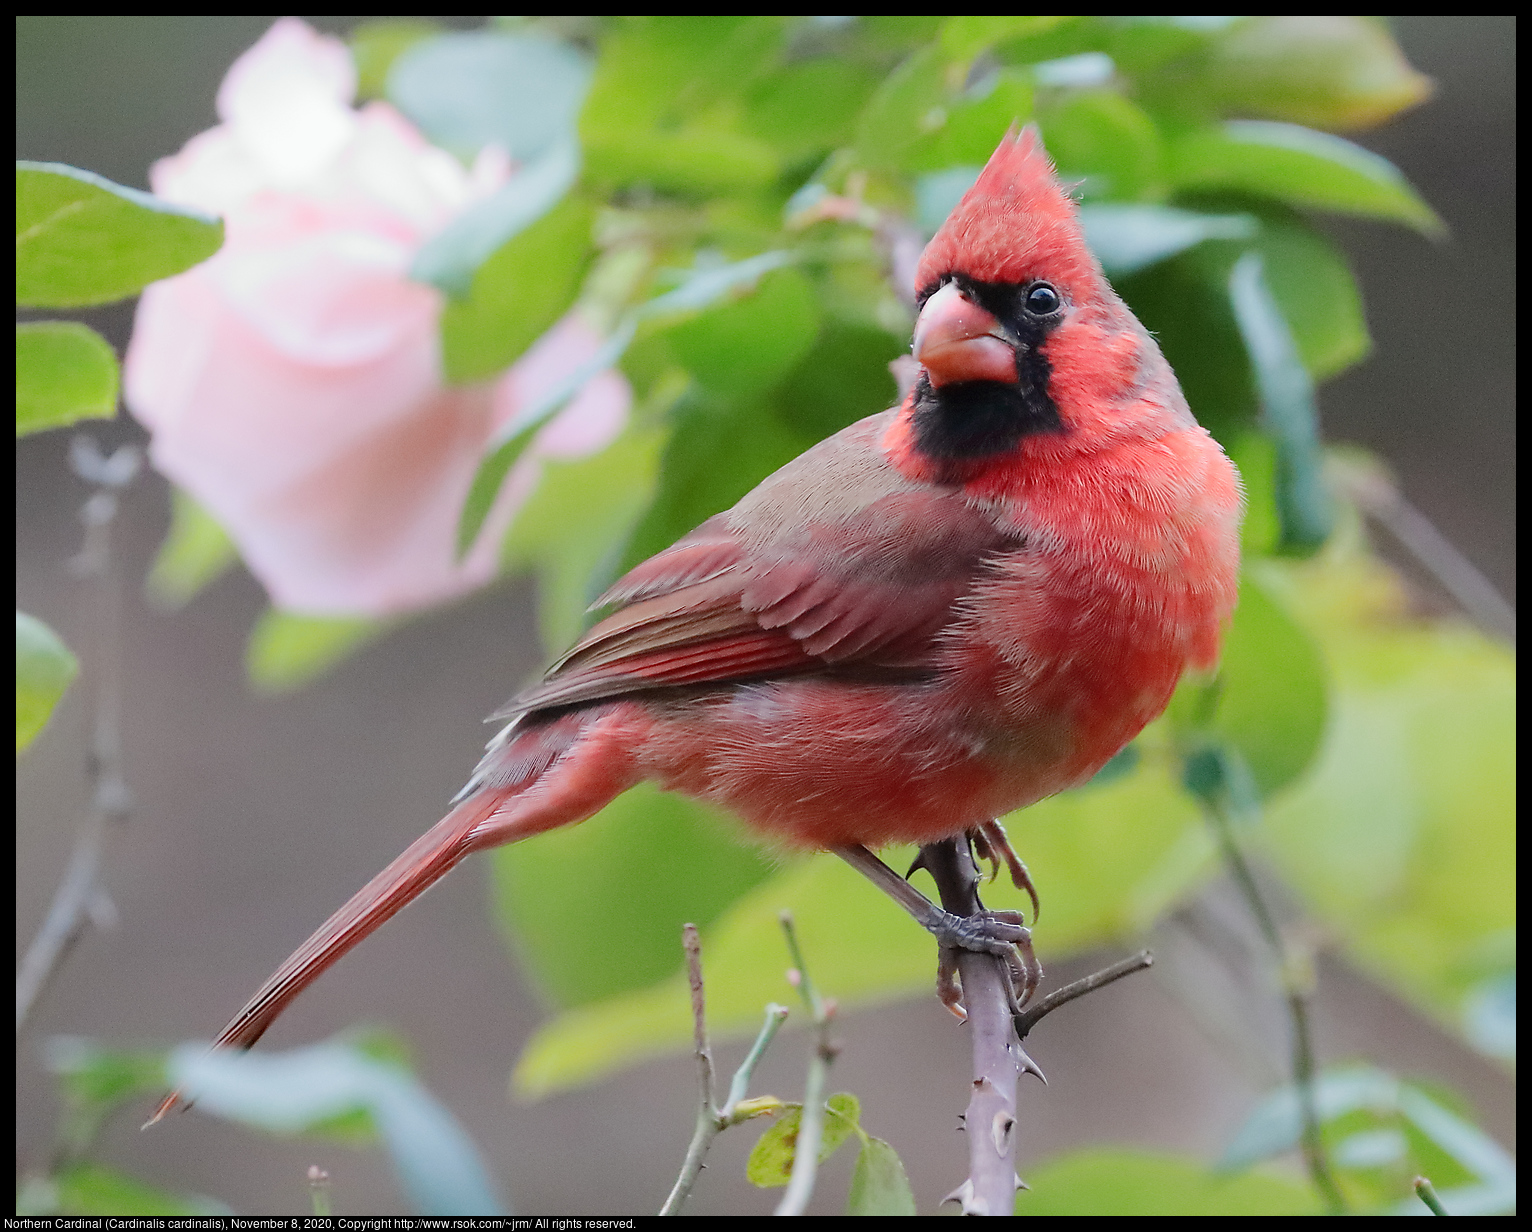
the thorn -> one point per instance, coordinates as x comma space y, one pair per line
918, 863
963, 1193
1029, 1066
1021, 1184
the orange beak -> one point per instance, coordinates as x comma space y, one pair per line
956, 340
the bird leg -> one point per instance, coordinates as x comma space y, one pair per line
991, 844
1001, 933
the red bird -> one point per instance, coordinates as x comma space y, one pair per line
945, 612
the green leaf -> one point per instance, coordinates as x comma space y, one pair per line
1400, 839
1275, 1124
196, 551
656, 112
450, 259
80, 239
1184, 301
1109, 860
879, 1185
903, 110
742, 348
44, 668
92, 1076
287, 650
651, 859
65, 372
1300, 166
938, 193
517, 294
771, 1160
963, 38
1124, 1182
1287, 408
1129, 238
843, 378
376, 44
808, 107
1109, 140
94, 1189
1271, 691
967, 131
436, 1162
1337, 72
468, 89
572, 527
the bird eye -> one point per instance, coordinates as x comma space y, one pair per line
1042, 299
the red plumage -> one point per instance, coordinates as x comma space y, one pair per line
943, 613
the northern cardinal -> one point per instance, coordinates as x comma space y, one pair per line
945, 612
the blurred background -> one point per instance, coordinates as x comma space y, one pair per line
256, 816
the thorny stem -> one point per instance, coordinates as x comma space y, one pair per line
1297, 994
800, 1186
711, 1119
990, 1119
80, 899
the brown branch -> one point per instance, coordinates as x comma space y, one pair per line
1029, 1018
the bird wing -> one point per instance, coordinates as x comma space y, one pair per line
836, 560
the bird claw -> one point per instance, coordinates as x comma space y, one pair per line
1002, 934
991, 843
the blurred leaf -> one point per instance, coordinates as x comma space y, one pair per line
653, 115
93, 1076
1338, 72
1300, 166
842, 379
436, 1163
376, 44
969, 129
517, 294
287, 650
905, 108
1129, 238
1489, 1017
450, 259
1071, 36
879, 1185
1401, 837
1287, 408
1108, 139
94, 1189
1184, 301
717, 452
469, 89
937, 195
44, 668
572, 526
65, 372
196, 551
1108, 858
1270, 691
1129, 1183
963, 38
1275, 1125
81, 239
809, 106
651, 859
771, 1160
746, 346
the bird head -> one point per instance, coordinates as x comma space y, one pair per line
1019, 337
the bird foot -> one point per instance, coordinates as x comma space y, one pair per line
991, 843
1001, 933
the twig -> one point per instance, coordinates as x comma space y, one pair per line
800, 1186
1426, 1192
80, 900
1029, 1018
990, 1120
1216, 803
319, 1189
711, 1119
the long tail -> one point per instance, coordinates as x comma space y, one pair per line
567, 794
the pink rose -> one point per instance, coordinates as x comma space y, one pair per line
292, 384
